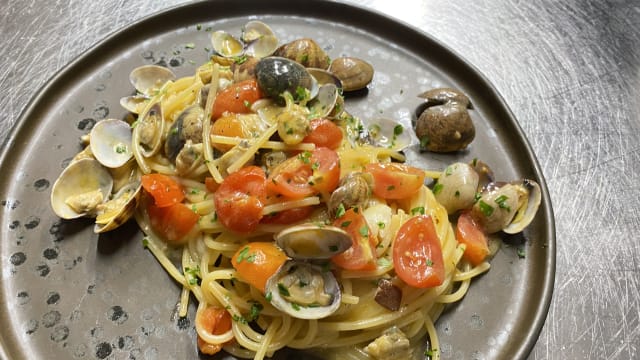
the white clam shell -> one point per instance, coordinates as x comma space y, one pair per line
111, 142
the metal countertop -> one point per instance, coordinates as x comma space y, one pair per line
570, 72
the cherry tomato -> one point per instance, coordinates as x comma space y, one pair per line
164, 190
417, 253
325, 164
324, 133
236, 98
469, 233
172, 222
229, 124
217, 321
256, 262
361, 255
240, 199
211, 184
291, 177
394, 180
288, 216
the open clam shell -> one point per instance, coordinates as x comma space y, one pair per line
149, 130
304, 291
149, 78
111, 142
80, 188
225, 44
119, 208
311, 241
528, 209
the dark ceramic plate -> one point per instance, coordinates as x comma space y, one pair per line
69, 294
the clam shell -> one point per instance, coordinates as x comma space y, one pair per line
83, 176
119, 209
311, 241
278, 300
111, 142
225, 44
254, 30
262, 47
148, 78
305, 51
276, 75
354, 73
527, 211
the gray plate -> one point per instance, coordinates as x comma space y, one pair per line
69, 294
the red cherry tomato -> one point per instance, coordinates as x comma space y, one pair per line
164, 190
361, 255
172, 222
469, 233
240, 199
417, 253
394, 180
236, 98
324, 133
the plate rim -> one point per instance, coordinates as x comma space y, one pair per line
64, 77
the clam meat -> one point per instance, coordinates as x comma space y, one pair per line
456, 187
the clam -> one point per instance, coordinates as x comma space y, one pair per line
325, 102
150, 129
456, 187
354, 73
312, 241
80, 188
388, 133
244, 70
509, 207
276, 75
188, 126
304, 290
354, 190
305, 51
254, 30
119, 208
111, 142
147, 79
134, 103
226, 45
323, 76
262, 47
443, 123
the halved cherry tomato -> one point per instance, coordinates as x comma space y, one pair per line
361, 255
324, 133
256, 262
236, 98
417, 253
164, 190
288, 216
211, 184
229, 124
172, 222
394, 180
469, 233
215, 320
240, 199
306, 174
291, 177
325, 164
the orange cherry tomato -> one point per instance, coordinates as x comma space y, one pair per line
324, 133
288, 216
325, 164
291, 177
164, 190
394, 180
361, 255
240, 199
236, 98
417, 253
469, 233
215, 320
229, 124
172, 222
256, 262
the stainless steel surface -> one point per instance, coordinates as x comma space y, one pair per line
570, 71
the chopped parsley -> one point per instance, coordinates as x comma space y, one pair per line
340, 211
500, 200
245, 255
397, 130
121, 149
417, 210
521, 253
364, 231
283, 290
486, 209
345, 223
437, 188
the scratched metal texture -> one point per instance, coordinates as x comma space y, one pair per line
570, 72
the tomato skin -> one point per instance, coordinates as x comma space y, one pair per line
240, 199
236, 98
231, 125
215, 320
394, 180
172, 222
211, 184
288, 216
361, 255
469, 232
326, 169
324, 133
417, 253
291, 179
256, 262
164, 190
